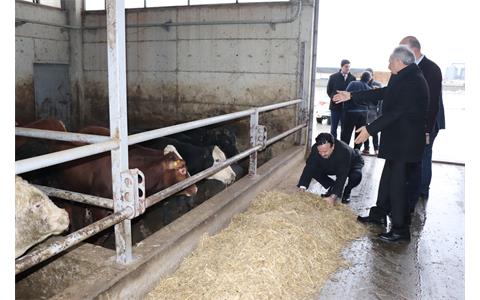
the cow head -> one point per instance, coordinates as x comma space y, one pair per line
36, 217
176, 170
224, 138
226, 175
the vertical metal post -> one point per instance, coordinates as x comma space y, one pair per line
302, 108
252, 169
117, 93
312, 76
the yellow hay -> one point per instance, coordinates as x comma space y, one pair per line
283, 247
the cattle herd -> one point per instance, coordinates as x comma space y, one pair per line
164, 162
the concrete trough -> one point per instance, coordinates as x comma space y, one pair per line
90, 271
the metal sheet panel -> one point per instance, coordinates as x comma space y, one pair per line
52, 92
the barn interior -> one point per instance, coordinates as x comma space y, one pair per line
188, 63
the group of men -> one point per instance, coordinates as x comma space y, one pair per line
411, 116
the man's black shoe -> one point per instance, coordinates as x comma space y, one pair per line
394, 237
346, 199
370, 220
328, 193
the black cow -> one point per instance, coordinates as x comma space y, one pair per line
198, 158
224, 137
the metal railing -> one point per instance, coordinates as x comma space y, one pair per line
125, 208
38, 162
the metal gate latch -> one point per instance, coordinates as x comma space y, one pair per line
133, 191
261, 136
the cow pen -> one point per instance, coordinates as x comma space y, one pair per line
173, 135
258, 143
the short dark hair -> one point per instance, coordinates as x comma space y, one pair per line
369, 70
344, 62
324, 138
366, 76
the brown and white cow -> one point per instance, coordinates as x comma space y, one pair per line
36, 217
92, 175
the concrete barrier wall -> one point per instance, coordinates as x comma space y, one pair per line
191, 72
181, 74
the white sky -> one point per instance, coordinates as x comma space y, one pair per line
366, 32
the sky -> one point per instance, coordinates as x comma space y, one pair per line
365, 32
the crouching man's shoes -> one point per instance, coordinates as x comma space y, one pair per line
328, 193
346, 199
394, 237
371, 220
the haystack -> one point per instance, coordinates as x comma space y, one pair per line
283, 247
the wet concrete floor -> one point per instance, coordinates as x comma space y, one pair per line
431, 266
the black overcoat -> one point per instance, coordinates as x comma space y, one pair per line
404, 112
336, 82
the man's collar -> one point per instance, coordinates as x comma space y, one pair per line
417, 61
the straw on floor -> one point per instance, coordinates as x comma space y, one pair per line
283, 247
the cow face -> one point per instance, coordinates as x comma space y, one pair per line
176, 171
226, 175
36, 217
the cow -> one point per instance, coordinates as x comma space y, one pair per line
198, 158
46, 124
26, 147
92, 175
36, 217
223, 136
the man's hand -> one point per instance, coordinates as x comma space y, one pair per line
331, 199
302, 188
362, 135
341, 96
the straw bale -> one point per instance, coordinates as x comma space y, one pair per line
283, 247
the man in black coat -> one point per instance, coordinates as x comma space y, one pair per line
330, 156
402, 126
420, 178
338, 82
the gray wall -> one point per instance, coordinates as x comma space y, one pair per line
193, 72
36, 43
176, 75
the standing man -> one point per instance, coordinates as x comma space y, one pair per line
338, 82
402, 125
355, 115
330, 156
374, 111
421, 177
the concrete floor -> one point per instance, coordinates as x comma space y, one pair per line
431, 266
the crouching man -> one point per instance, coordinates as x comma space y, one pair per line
330, 156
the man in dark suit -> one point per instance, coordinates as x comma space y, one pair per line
338, 82
330, 156
403, 138
421, 176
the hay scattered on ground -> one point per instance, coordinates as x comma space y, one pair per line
283, 247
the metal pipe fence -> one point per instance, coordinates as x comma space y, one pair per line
77, 197
36, 257
125, 208
60, 136
44, 253
46, 160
